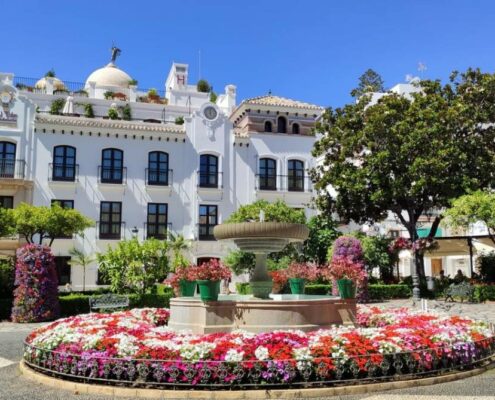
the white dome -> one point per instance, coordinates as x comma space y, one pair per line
57, 84
109, 76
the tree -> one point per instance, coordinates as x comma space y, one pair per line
177, 245
376, 254
408, 155
240, 261
322, 233
203, 86
78, 257
472, 208
133, 266
369, 82
47, 222
6, 222
278, 211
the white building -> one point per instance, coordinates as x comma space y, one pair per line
149, 174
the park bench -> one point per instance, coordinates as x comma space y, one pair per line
462, 290
108, 302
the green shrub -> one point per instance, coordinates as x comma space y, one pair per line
179, 120
483, 293
7, 276
243, 288
384, 292
57, 106
88, 111
113, 113
486, 266
320, 288
126, 112
203, 86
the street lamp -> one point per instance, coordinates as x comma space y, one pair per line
134, 231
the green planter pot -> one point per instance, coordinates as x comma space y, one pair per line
346, 289
209, 290
297, 285
187, 288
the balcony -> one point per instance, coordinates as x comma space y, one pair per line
63, 173
112, 175
210, 180
157, 231
283, 183
12, 169
159, 177
110, 230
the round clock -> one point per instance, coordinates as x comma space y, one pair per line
210, 113
5, 97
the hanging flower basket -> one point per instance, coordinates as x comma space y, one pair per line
297, 285
209, 290
347, 290
187, 288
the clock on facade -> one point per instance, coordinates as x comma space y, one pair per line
5, 97
210, 113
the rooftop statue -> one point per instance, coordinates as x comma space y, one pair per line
115, 53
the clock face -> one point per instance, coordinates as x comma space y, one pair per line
210, 113
5, 97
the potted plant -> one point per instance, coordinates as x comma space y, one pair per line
298, 274
208, 275
108, 95
113, 113
348, 274
153, 95
184, 281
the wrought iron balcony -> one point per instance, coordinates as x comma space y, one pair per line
158, 177
210, 179
110, 230
114, 175
283, 183
63, 172
12, 169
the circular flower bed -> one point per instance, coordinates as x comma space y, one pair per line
136, 347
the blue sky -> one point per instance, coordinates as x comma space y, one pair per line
309, 50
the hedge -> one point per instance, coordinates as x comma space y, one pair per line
483, 293
318, 289
385, 292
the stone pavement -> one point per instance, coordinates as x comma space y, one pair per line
482, 387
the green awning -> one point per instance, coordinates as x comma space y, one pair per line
423, 232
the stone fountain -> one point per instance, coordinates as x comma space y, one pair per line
261, 311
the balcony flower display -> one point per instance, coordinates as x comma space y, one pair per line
300, 273
135, 347
183, 281
347, 273
209, 275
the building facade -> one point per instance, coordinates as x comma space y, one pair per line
143, 163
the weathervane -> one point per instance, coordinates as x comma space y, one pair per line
115, 53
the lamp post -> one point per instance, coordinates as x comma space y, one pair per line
134, 231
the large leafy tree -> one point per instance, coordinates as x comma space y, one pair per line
408, 154
370, 81
322, 233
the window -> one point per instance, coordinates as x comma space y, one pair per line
208, 171
157, 220
64, 163
110, 219
268, 126
296, 176
112, 169
7, 159
208, 218
67, 204
268, 174
6, 201
63, 269
158, 168
281, 125
295, 129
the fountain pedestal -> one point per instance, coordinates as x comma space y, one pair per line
282, 312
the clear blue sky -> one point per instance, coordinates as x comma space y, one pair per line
304, 49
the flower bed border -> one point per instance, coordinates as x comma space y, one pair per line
480, 354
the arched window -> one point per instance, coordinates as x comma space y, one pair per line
7, 159
268, 174
296, 176
112, 166
268, 126
295, 129
64, 163
281, 125
157, 168
208, 171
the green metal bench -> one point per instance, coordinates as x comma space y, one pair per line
108, 302
463, 290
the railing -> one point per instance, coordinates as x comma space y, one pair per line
210, 179
158, 177
63, 172
112, 175
151, 233
110, 230
283, 183
207, 374
12, 169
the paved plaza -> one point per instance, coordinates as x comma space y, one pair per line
482, 387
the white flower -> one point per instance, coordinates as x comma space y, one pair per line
234, 356
261, 353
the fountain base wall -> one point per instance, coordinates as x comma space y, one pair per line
303, 312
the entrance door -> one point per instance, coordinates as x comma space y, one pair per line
436, 266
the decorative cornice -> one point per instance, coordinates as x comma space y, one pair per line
84, 122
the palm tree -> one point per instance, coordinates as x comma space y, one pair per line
178, 244
79, 258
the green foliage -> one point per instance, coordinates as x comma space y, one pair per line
385, 292
179, 120
203, 86
152, 92
485, 264
57, 106
113, 113
133, 266
471, 208
48, 222
50, 74
178, 244
278, 211
320, 289
108, 95
6, 222
376, 255
213, 97
240, 261
484, 293
7, 277
322, 233
79, 258
276, 263
369, 82
243, 288
88, 110
133, 82
126, 112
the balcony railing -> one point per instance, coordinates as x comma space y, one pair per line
156, 230
210, 179
63, 172
158, 177
112, 175
110, 230
283, 183
12, 169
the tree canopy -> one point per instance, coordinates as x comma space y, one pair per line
322, 233
408, 154
370, 81
278, 211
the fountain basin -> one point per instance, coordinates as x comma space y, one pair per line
282, 312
